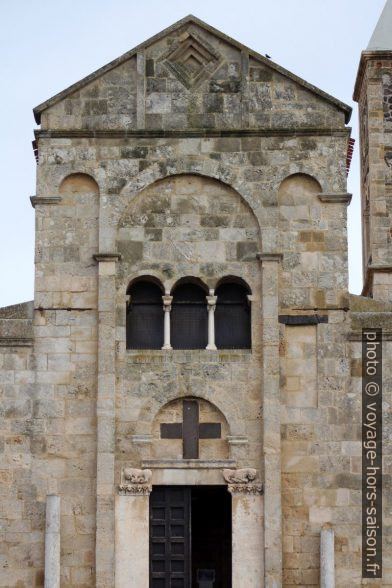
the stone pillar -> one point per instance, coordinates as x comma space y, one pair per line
211, 305
167, 300
104, 549
327, 558
52, 542
132, 530
271, 426
247, 536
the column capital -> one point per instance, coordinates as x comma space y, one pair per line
108, 256
263, 257
211, 300
167, 300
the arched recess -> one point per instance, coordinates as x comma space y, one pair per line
190, 428
233, 314
78, 183
144, 321
297, 189
209, 169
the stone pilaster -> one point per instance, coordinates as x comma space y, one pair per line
247, 535
271, 410
132, 521
105, 419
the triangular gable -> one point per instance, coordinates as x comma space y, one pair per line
200, 52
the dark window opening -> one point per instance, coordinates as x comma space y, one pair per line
145, 316
232, 317
189, 320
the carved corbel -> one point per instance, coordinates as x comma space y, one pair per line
242, 481
135, 482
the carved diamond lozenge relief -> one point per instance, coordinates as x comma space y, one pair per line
192, 60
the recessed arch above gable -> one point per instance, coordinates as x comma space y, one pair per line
209, 169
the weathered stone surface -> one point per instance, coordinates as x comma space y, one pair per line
218, 170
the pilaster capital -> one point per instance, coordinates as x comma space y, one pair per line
245, 489
135, 482
335, 198
36, 200
108, 256
265, 257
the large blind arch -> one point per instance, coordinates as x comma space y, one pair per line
144, 321
233, 315
188, 317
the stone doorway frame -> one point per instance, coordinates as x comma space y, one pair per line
132, 521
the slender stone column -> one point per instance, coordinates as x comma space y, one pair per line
327, 558
104, 549
271, 411
167, 300
211, 305
52, 542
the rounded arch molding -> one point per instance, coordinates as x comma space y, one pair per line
152, 406
209, 169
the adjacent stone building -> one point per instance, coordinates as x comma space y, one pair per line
183, 395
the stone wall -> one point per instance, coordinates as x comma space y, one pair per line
172, 168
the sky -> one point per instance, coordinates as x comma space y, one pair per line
47, 45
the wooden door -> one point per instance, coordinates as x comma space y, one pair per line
170, 533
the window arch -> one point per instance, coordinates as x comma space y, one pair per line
232, 316
144, 324
189, 316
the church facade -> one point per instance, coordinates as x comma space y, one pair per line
181, 402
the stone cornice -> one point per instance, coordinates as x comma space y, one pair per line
365, 57
109, 256
44, 200
338, 198
189, 133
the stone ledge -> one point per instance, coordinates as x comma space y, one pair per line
237, 440
16, 342
357, 335
205, 356
302, 319
338, 198
269, 257
44, 200
110, 256
188, 464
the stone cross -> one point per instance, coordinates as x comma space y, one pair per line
190, 430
